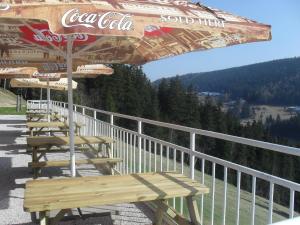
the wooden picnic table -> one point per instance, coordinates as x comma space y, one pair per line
48, 142
44, 196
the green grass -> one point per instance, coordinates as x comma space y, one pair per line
12, 111
261, 213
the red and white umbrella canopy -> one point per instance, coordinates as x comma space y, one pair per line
116, 31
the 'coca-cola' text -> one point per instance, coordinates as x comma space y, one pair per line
108, 20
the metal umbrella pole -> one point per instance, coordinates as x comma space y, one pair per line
41, 98
70, 104
48, 101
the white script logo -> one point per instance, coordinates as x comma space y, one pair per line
108, 20
48, 35
4, 6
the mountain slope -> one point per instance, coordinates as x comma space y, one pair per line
275, 82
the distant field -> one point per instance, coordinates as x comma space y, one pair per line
11, 111
262, 112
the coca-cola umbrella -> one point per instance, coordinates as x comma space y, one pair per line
83, 71
114, 31
60, 85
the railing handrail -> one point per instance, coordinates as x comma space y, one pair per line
226, 137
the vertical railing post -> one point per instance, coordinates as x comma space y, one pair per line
112, 133
292, 203
225, 195
95, 123
253, 200
271, 195
84, 121
65, 106
192, 157
140, 145
61, 108
75, 112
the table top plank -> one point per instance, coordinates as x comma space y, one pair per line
45, 124
40, 141
42, 195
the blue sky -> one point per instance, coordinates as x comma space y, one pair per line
283, 15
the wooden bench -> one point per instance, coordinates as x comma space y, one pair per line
37, 166
43, 196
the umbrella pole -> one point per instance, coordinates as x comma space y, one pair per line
41, 98
48, 101
70, 105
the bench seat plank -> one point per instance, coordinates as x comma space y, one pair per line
57, 194
62, 163
46, 124
40, 141
57, 149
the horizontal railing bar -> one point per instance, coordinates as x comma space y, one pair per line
225, 137
249, 171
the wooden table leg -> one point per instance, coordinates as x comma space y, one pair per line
108, 151
162, 207
34, 159
59, 216
34, 154
44, 218
193, 210
33, 217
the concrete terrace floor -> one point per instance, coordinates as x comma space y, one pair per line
14, 173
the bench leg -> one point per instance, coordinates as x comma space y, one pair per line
162, 207
193, 210
59, 216
34, 154
33, 217
34, 159
111, 168
44, 218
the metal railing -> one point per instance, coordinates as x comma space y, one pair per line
227, 203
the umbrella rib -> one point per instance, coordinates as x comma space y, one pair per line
42, 48
136, 48
62, 53
76, 54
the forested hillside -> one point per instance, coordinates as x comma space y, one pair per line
275, 82
128, 91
